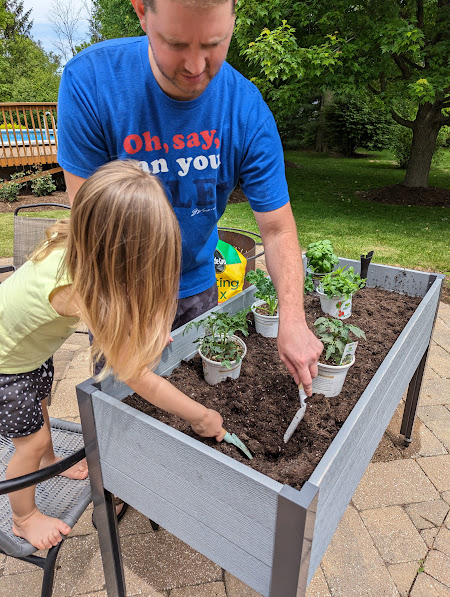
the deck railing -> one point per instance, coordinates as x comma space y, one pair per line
28, 134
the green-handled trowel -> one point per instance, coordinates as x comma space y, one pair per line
232, 438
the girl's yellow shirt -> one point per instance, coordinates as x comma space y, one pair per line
30, 328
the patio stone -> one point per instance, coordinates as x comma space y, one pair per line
389, 484
84, 524
438, 360
64, 400
446, 496
441, 335
318, 586
437, 565
394, 535
80, 367
429, 535
14, 566
97, 594
386, 451
425, 586
427, 515
404, 575
214, 589
364, 569
441, 429
22, 585
164, 562
236, 588
435, 389
424, 443
442, 542
436, 468
79, 567
434, 412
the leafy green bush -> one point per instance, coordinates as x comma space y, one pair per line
353, 122
9, 190
43, 185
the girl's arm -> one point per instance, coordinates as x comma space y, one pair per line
158, 391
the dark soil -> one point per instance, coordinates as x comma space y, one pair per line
27, 198
399, 194
259, 406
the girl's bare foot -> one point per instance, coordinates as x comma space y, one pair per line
77, 471
40, 530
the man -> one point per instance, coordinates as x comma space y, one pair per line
171, 101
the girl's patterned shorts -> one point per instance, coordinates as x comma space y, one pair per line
20, 400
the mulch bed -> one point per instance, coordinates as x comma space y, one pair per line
259, 406
399, 194
30, 199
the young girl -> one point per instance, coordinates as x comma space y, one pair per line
114, 265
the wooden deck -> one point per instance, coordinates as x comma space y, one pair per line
28, 134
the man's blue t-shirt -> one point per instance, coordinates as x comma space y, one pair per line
111, 107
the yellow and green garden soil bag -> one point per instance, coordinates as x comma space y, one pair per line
230, 270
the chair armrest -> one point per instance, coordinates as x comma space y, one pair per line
7, 268
42, 475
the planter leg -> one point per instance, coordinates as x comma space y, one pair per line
294, 531
105, 512
412, 400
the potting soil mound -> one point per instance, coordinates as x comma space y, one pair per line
261, 403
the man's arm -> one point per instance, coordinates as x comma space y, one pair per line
73, 183
298, 347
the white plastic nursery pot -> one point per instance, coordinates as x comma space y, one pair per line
266, 325
214, 372
330, 379
339, 307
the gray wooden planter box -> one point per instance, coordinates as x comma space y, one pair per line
270, 536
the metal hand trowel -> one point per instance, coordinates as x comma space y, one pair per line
298, 415
232, 438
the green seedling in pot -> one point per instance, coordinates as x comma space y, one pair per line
321, 257
216, 344
335, 335
308, 285
265, 290
341, 282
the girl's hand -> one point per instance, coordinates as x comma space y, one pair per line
210, 425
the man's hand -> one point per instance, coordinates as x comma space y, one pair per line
299, 349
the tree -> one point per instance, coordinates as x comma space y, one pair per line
18, 21
66, 20
27, 72
396, 49
115, 18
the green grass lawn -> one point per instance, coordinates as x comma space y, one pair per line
323, 200
324, 203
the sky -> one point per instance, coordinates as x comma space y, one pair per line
42, 28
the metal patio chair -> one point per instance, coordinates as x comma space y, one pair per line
56, 496
29, 232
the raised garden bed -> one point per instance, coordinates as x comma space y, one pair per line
269, 535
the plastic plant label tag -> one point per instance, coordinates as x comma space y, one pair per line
348, 353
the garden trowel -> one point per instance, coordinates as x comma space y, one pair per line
298, 415
232, 438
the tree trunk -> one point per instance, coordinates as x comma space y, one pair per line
325, 100
425, 131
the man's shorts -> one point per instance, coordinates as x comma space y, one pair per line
20, 400
192, 306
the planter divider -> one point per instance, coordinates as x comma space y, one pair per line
254, 527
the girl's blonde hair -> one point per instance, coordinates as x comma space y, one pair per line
123, 256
